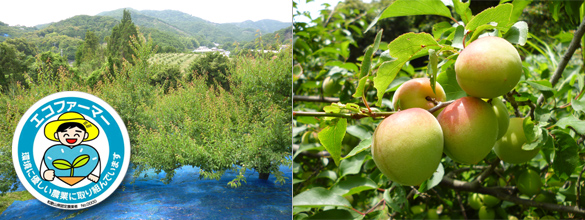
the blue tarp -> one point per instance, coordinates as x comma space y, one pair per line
184, 197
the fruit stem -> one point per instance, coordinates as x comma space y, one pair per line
366, 103
440, 105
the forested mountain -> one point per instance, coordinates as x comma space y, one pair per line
172, 31
183, 23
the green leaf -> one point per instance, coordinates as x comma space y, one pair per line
532, 132
297, 210
295, 181
416, 7
61, 164
307, 120
367, 62
541, 139
403, 48
352, 165
318, 197
462, 9
308, 147
458, 37
499, 14
567, 154
579, 105
448, 81
80, 161
573, 122
359, 92
434, 180
332, 136
518, 33
359, 131
440, 28
331, 109
407, 45
479, 31
337, 214
396, 83
386, 74
330, 174
395, 198
348, 66
548, 150
362, 146
432, 68
519, 6
352, 185
543, 86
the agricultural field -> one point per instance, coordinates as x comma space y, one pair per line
181, 59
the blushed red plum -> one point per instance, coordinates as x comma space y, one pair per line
488, 67
470, 128
413, 93
407, 146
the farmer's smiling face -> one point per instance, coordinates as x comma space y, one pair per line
71, 137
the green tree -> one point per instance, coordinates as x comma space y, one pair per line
88, 49
23, 45
119, 42
13, 64
214, 66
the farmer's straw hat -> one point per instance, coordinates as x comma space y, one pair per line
90, 128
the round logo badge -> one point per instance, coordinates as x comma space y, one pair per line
71, 150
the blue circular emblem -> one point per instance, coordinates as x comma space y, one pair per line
71, 150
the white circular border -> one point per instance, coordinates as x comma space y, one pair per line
103, 104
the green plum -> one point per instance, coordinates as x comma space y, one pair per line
529, 183
486, 213
509, 147
330, 86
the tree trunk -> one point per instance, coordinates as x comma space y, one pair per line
263, 176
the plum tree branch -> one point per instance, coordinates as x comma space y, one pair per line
503, 194
578, 193
510, 98
342, 115
487, 172
575, 43
302, 98
314, 98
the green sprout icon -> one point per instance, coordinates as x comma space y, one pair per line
65, 165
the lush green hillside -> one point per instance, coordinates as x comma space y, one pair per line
205, 31
77, 26
7, 31
173, 31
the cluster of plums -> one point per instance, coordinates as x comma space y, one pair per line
408, 146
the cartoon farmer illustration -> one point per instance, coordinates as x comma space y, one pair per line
70, 161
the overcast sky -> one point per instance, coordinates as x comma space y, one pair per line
31, 13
